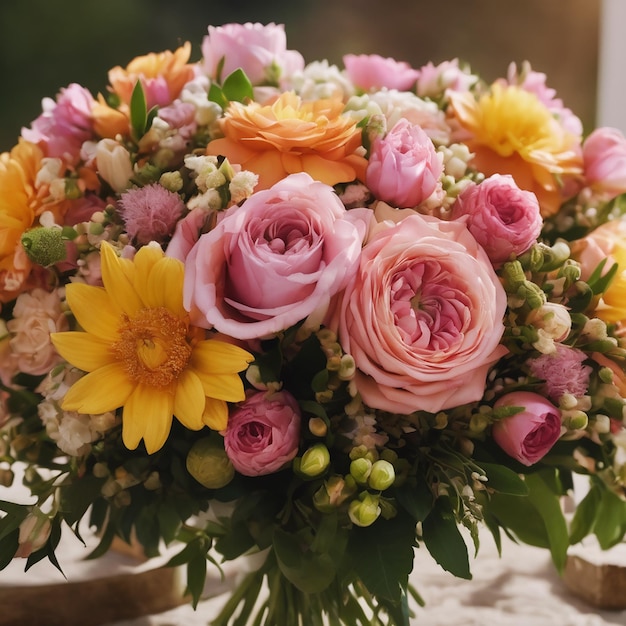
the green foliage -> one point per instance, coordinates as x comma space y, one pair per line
235, 88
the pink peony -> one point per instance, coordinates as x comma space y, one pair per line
259, 50
372, 72
604, 157
527, 436
504, 219
422, 317
263, 433
150, 213
404, 168
273, 261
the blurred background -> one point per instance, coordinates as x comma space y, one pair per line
47, 44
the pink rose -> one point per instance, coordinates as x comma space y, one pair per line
263, 433
273, 261
371, 72
527, 436
404, 168
259, 50
422, 317
187, 233
504, 219
434, 80
604, 157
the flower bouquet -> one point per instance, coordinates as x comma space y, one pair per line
322, 315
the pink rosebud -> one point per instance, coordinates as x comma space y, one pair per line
504, 219
259, 50
604, 157
528, 435
372, 72
263, 433
404, 168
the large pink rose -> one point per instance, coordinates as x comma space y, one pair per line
504, 219
404, 168
263, 434
528, 435
258, 49
371, 71
604, 157
422, 317
273, 261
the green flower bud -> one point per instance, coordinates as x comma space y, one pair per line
44, 246
478, 423
382, 475
533, 294
360, 470
209, 464
333, 493
513, 273
364, 511
318, 427
315, 461
576, 420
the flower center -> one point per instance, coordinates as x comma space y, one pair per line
153, 346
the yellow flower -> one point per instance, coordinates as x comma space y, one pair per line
512, 132
290, 136
141, 353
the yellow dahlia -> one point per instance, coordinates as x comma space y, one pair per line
141, 353
510, 131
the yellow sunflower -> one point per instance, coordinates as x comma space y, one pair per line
141, 353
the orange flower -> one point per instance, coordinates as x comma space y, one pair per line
290, 136
163, 76
512, 132
109, 122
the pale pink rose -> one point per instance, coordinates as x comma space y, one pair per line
273, 261
259, 50
599, 245
504, 219
36, 314
404, 168
187, 233
263, 434
528, 435
435, 80
422, 317
604, 158
371, 72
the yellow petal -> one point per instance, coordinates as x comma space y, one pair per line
94, 310
102, 390
227, 387
164, 286
215, 414
84, 351
189, 400
144, 262
218, 357
148, 415
117, 281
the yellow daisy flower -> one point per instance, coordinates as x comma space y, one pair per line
142, 354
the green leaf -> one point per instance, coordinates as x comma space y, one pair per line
444, 541
217, 95
169, 523
504, 480
417, 499
235, 542
76, 496
138, 111
610, 520
237, 87
9, 544
196, 576
15, 514
585, 515
381, 555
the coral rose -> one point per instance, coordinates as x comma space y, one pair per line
422, 317
528, 435
263, 433
290, 136
371, 71
273, 261
604, 154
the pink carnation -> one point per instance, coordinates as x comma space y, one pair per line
371, 71
604, 157
150, 213
563, 372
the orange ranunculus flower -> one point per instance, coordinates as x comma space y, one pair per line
163, 75
109, 122
510, 131
289, 136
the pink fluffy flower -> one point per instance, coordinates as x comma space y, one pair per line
263, 433
64, 125
404, 168
528, 435
371, 71
422, 317
504, 219
604, 158
563, 372
259, 50
150, 213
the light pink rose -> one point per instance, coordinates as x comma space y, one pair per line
527, 436
599, 245
604, 158
371, 71
273, 261
504, 219
263, 434
422, 317
254, 48
187, 233
404, 168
